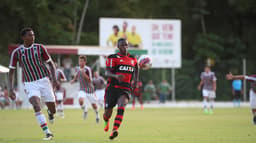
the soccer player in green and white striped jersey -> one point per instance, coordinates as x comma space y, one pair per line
32, 58
84, 75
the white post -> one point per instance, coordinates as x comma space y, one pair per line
173, 85
244, 82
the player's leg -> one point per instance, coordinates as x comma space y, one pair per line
211, 100
205, 101
110, 101
93, 100
253, 105
51, 110
35, 102
141, 101
122, 102
133, 101
81, 98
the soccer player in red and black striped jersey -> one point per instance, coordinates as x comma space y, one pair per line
32, 58
121, 68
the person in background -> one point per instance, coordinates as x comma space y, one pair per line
252, 93
99, 85
164, 89
124, 33
137, 93
60, 92
208, 81
18, 100
237, 91
3, 101
67, 63
134, 39
150, 91
113, 37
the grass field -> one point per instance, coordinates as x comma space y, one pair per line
164, 125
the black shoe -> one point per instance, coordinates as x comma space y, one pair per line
254, 120
48, 136
97, 120
50, 117
113, 135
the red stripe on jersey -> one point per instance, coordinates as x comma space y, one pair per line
31, 72
127, 76
35, 63
121, 87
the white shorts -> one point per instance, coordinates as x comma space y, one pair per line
59, 95
41, 88
100, 94
209, 93
252, 99
91, 97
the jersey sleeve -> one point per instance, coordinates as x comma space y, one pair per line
13, 60
251, 78
110, 64
201, 75
214, 78
62, 76
45, 54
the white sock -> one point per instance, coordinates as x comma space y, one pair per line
42, 122
205, 103
96, 112
211, 104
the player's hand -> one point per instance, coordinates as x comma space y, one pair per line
229, 76
120, 77
12, 95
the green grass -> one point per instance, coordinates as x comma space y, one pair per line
188, 125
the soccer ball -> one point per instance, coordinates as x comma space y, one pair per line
145, 62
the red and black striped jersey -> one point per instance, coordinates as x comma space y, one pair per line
32, 61
121, 65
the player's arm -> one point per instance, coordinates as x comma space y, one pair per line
230, 76
110, 64
47, 58
12, 66
136, 75
74, 79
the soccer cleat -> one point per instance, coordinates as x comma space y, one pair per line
113, 134
97, 120
50, 117
48, 136
85, 115
206, 111
106, 126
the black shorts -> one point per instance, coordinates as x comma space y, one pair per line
113, 94
237, 94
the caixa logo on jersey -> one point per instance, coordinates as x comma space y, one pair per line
126, 68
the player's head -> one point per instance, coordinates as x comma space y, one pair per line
133, 29
207, 68
27, 35
122, 45
125, 25
82, 61
96, 74
115, 29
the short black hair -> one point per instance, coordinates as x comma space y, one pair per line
116, 27
120, 40
24, 31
